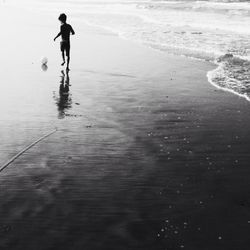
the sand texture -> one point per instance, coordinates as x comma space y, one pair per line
147, 154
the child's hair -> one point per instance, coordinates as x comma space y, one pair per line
62, 18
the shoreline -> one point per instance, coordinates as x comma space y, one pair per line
120, 34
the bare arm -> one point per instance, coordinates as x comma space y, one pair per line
57, 36
72, 31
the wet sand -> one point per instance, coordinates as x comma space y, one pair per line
147, 154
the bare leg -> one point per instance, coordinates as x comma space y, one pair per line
63, 57
68, 59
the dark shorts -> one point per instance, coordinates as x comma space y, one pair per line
65, 46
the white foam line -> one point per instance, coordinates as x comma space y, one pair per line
225, 89
25, 149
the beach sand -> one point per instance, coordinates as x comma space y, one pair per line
147, 154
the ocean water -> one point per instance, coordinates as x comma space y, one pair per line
216, 31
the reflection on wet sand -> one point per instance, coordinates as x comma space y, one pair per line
64, 100
44, 67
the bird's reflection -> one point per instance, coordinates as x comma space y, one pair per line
64, 101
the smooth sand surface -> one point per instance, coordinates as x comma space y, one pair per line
148, 155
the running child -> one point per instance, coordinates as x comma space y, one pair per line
65, 31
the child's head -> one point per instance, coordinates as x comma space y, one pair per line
62, 18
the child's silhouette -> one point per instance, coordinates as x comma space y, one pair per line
65, 32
